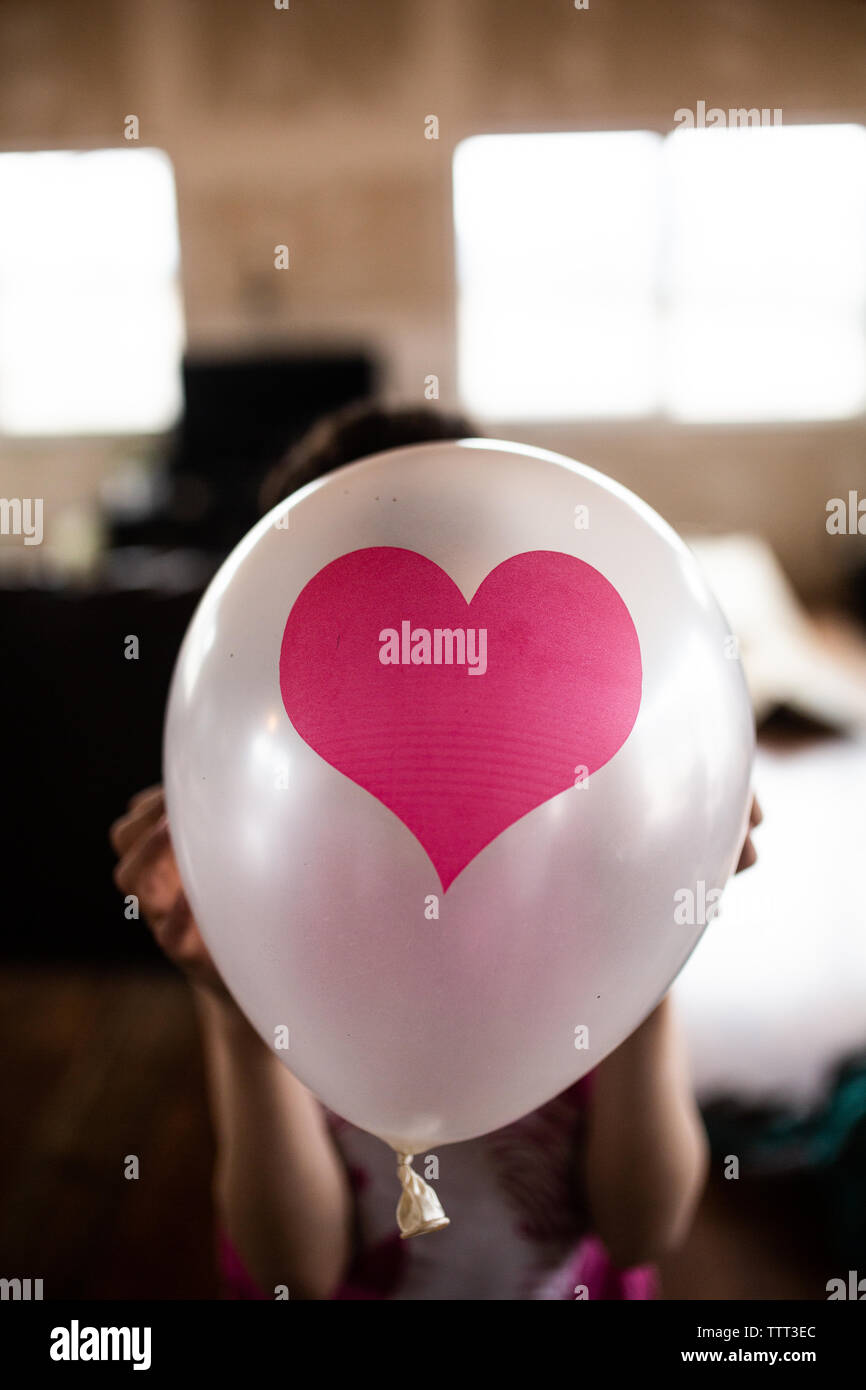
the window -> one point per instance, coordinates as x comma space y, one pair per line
91, 325
712, 274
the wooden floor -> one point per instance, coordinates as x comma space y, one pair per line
99, 1066
96, 1067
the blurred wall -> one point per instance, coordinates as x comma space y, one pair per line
306, 127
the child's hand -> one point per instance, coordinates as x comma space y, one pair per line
147, 868
748, 854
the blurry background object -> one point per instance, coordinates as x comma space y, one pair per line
91, 325
791, 661
240, 415
624, 273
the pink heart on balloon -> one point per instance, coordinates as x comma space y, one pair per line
458, 752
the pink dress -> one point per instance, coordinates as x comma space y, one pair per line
518, 1227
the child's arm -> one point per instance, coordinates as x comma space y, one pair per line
647, 1153
282, 1193
279, 1183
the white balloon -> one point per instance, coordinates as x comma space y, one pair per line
311, 893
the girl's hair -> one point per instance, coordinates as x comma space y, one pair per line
356, 430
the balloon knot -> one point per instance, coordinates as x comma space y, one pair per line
419, 1209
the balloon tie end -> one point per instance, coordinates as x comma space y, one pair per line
419, 1209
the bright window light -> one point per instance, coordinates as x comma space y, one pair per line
91, 324
557, 253
715, 274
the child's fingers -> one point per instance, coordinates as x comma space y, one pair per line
748, 856
154, 793
178, 936
174, 927
143, 858
147, 868
130, 827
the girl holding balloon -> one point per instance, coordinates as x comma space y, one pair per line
575, 1200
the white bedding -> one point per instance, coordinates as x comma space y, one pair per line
775, 993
